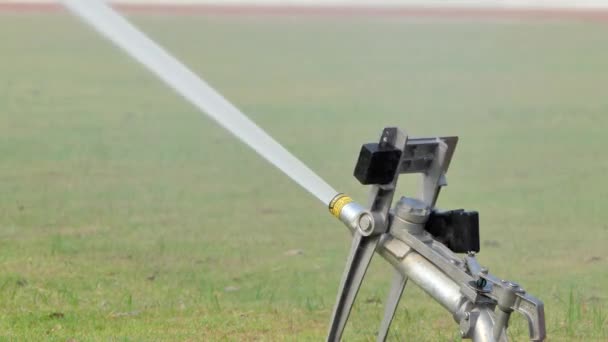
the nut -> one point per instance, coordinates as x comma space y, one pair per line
412, 210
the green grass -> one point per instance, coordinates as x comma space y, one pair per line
126, 215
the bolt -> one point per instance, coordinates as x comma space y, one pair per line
365, 223
463, 333
484, 270
467, 315
471, 254
481, 283
412, 210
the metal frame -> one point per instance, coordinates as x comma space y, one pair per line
479, 302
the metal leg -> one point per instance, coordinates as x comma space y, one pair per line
482, 331
361, 253
501, 324
392, 301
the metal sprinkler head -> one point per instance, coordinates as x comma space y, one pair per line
421, 241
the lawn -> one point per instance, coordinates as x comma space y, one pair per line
127, 215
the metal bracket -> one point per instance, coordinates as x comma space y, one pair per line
363, 247
467, 324
511, 297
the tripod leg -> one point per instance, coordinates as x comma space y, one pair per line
392, 301
361, 253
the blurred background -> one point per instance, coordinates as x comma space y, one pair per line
126, 215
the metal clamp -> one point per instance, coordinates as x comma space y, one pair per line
510, 297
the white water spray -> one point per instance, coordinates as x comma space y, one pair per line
186, 83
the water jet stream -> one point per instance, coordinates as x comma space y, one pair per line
186, 83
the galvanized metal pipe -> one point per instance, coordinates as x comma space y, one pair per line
437, 284
422, 272
484, 326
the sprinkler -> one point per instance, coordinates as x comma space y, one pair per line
422, 243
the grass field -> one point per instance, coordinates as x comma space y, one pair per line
125, 215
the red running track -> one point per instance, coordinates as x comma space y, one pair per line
445, 12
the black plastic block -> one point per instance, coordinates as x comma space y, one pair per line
377, 164
457, 229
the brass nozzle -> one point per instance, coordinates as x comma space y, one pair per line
354, 216
337, 203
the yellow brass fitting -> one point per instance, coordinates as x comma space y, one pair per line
337, 203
